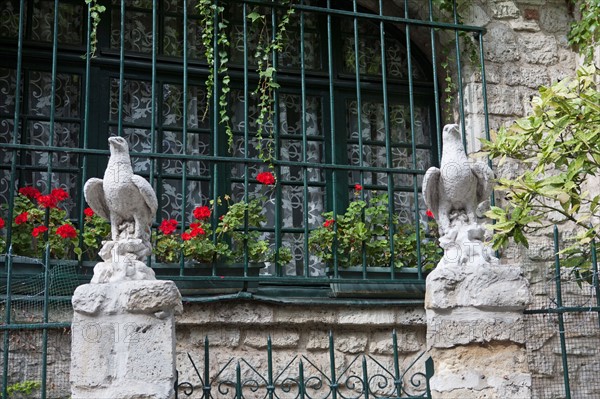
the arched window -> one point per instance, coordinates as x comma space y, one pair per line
356, 105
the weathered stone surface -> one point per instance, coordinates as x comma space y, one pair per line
538, 48
123, 340
504, 9
493, 371
377, 317
279, 339
218, 337
530, 76
468, 325
351, 343
478, 285
244, 313
504, 47
554, 19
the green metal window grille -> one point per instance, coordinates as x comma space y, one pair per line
358, 103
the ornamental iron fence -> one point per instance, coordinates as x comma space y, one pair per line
301, 376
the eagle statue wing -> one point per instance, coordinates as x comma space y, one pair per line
146, 191
485, 180
93, 191
431, 185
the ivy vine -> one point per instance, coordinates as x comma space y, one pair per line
95, 10
267, 48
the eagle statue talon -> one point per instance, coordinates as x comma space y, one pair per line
129, 202
453, 193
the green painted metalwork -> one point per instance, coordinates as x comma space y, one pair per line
362, 376
328, 170
561, 321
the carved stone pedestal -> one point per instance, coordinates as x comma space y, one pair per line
475, 330
123, 340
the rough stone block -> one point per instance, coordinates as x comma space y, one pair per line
279, 339
305, 315
351, 343
380, 343
216, 337
530, 76
243, 313
317, 340
504, 46
123, 345
504, 10
538, 48
360, 316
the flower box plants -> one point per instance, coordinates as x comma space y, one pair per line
363, 236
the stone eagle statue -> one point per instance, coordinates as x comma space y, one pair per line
459, 185
121, 197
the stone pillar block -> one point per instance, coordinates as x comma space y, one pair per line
123, 340
475, 331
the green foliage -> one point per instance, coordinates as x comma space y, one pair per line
362, 233
26, 388
95, 230
559, 147
269, 45
584, 34
95, 10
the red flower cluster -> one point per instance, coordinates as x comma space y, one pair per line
329, 223
21, 218
66, 231
47, 201
30, 192
39, 230
266, 178
202, 212
186, 236
168, 226
59, 194
88, 212
358, 187
2, 223
429, 214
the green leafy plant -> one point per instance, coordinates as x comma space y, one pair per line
584, 34
25, 387
215, 27
39, 220
95, 230
362, 233
558, 145
95, 10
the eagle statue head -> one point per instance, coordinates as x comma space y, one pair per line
451, 132
118, 145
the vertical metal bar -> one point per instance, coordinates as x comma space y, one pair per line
277, 147
184, 138
388, 142
153, 141
595, 277
301, 388
270, 386
561, 322
304, 146
7, 321
358, 122
365, 377
215, 124
45, 319
86, 115
206, 386
486, 119
330, 61
397, 375
461, 110
333, 384
246, 137
413, 142
436, 86
429, 371
11, 200
121, 68
238, 381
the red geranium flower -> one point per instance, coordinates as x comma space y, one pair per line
202, 212
39, 230
194, 225
66, 231
2, 223
168, 226
197, 231
358, 187
186, 237
22, 218
89, 212
30, 192
47, 201
429, 214
59, 194
266, 178
328, 223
